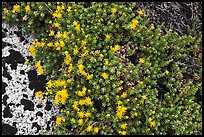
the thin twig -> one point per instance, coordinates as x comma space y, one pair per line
91, 125
48, 8
83, 125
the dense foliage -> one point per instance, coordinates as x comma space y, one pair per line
110, 70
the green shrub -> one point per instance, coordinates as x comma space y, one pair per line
98, 90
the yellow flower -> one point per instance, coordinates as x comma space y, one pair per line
77, 28
42, 44
80, 121
84, 90
135, 21
113, 10
50, 44
124, 95
132, 25
62, 44
50, 22
61, 110
58, 8
72, 120
152, 27
39, 94
141, 60
106, 62
81, 102
117, 47
88, 101
81, 66
133, 88
75, 105
15, 8
68, 58
36, 43
70, 68
107, 115
69, 9
6, 10
56, 24
87, 114
58, 15
96, 130
141, 82
62, 8
122, 109
26, 63
51, 33
144, 97
85, 53
83, 72
119, 102
88, 77
167, 72
80, 114
32, 50
75, 50
58, 48
39, 67
123, 126
75, 23
27, 8
60, 83
58, 35
140, 12
49, 84
79, 93
171, 60
104, 75
135, 114
108, 36
101, 55
65, 35
119, 114
123, 133
57, 44
150, 119
86, 36
83, 42
153, 112
89, 128
119, 89
69, 80
59, 120
152, 123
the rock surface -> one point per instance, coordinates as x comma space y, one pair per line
22, 112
